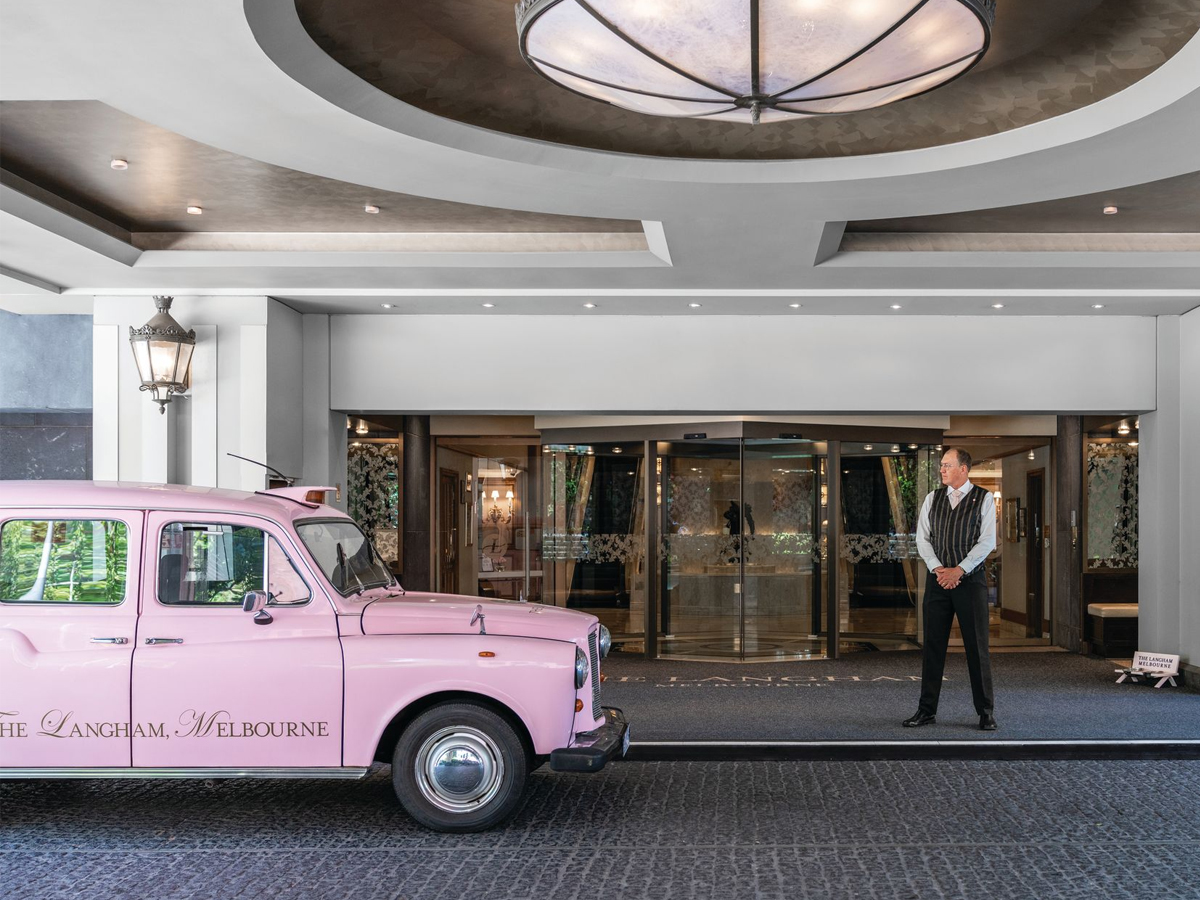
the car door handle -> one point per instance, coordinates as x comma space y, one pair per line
164, 640
118, 640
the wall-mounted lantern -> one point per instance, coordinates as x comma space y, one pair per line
163, 353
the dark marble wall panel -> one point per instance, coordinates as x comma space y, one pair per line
45, 445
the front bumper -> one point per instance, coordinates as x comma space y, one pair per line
592, 749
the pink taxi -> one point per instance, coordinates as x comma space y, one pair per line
154, 631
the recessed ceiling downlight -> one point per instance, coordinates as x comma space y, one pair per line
371, 209
752, 62
119, 164
195, 211
1111, 210
488, 305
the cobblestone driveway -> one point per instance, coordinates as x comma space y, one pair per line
963, 830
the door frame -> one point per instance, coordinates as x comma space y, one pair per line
449, 477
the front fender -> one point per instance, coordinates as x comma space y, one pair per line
385, 674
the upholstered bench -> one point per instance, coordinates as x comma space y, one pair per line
1114, 628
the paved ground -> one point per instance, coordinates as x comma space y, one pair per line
870, 831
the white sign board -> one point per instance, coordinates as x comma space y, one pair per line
1163, 663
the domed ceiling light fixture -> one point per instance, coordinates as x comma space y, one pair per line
752, 60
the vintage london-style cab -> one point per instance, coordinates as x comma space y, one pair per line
160, 631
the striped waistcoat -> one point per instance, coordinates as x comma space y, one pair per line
953, 531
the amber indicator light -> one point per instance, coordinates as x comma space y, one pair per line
578, 706
603, 678
315, 496
486, 654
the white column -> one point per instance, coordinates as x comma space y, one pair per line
1188, 493
252, 409
158, 446
106, 402
203, 399
1160, 486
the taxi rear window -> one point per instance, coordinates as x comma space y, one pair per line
63, 561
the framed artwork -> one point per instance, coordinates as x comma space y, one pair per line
1011, 505
486, 564
1021, 523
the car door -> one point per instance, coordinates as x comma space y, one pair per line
68, 617
230, 688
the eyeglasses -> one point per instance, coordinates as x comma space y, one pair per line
951, 466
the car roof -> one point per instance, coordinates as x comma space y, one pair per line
138, 495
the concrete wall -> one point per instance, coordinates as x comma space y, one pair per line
1168, 488
554, 364
45, 363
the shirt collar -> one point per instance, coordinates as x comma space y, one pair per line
966, 488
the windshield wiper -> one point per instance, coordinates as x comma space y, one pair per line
345, 569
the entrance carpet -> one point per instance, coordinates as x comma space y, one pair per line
865, 696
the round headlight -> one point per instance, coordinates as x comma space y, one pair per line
605, 641
581, 668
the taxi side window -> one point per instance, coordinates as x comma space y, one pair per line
63, 561
216, 565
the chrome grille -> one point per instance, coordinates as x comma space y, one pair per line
594, 659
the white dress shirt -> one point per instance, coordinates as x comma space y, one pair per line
987, 531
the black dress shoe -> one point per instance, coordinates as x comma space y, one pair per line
921, 718
987, 722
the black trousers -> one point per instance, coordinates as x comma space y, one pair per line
968, 601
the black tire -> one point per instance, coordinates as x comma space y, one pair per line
477, 796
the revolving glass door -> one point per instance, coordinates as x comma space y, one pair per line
742, 549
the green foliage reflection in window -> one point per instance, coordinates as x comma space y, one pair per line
210, 565
72, 561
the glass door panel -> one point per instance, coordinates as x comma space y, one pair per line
700, 566
593, 555
882, 577
782, 515
489, 527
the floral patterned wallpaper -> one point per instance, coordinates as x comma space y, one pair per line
1112, 511
373, 494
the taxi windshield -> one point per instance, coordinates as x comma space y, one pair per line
344, 554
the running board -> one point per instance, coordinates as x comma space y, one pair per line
737, 751
129, 772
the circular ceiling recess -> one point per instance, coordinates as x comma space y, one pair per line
461, 59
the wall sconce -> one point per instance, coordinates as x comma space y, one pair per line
163, 353
495, 515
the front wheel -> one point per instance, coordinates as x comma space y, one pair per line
459, 767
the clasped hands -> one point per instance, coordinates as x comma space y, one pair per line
948, 579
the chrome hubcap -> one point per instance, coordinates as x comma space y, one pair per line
459, 769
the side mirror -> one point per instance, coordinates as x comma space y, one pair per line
256, 602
